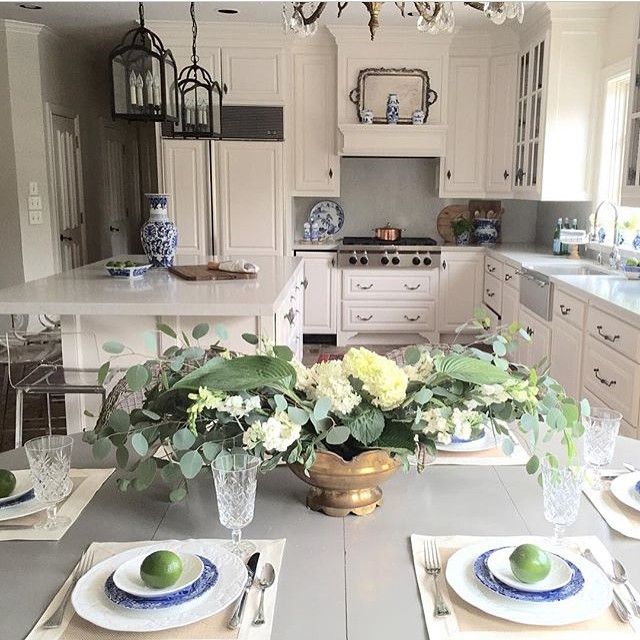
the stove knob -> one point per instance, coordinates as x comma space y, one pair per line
385, 259
416, 260
395, 259
427, 261
353, 259
364, 259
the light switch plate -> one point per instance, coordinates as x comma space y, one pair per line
33, 188
35, 217
35, 203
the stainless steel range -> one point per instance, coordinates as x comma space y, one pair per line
365, 252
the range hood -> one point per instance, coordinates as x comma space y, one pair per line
393, 141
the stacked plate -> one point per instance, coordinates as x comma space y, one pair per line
113, 596
22, 500
626, 489
484, 441
574, 591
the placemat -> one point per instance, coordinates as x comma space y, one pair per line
468, 623
85, 484
618, 516
214, 628
495, 457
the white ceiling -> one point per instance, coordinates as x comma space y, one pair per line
102, 23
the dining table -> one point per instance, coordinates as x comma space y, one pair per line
346, 578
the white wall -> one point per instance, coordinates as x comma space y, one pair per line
619, 34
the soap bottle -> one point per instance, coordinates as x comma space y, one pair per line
565, 247
556, 239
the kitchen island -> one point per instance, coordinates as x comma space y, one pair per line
91, 304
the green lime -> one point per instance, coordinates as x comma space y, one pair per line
632, 262
529, 563
161, 569
7, 483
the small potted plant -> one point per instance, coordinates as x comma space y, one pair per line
462, 228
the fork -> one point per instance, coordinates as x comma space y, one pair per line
433, 568
55, 619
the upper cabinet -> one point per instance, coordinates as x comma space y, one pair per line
631, 172
316, 164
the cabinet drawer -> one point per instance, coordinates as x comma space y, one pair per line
492, 294
511, 276
493, 267
568, 308
612, 377
405, 285
614, 333
388, 317
626, 428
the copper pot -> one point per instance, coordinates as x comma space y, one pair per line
387, 233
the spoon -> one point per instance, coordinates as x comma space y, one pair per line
266, 580
620, 577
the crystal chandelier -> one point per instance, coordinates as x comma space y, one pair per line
433, 17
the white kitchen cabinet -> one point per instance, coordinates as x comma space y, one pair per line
187, 179
532, 353
250, 198
510, 305
566, 356
462, 171
288, 318
501, 120
320, 291
630, 195
316, 163
460, 291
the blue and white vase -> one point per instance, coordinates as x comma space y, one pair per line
417, 117
393, 109
636, 240
463, 239
159, 235
485, 231
366, 116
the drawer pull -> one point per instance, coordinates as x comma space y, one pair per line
305, 283
606, 383
507, 277
490, 269
490, 293
290, 316
363, 318
406, 286
565, 311
608, 337
406, 317
530, 332
364, 287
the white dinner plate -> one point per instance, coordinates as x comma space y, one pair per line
22, 509
624, 489
23, 485
91, 603
589, 602
127, 576
500, 567
488, 441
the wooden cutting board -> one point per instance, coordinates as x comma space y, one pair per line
199, 272
449, 213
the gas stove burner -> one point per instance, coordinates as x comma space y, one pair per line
402, 242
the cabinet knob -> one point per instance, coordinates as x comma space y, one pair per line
113, 229
449, 174
490, 293
491, 269
505, 174
305, 283
565, 310
67, 238
507, 277
444, 264
330, 174
225, 88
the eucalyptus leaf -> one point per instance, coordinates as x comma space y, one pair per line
190, 464
150, 340
585, 407
119, 420
533, 465
412, 355
139, 444
338, 435
298, 416
170, 472
321, 408
145, 474
123, 484
281, 403
151, 415
200, 330
183, 439
178, 494
507, 446
210, 450
250, 338
529, 422
113, 346
177, 363
122, 457
283, 352
499, 348
221, 332
137, 377
103, 372
101, 448
193, 353
423, 396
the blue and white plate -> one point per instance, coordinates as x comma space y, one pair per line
23, 487
474, 436
207, 579
523, 591
328, 215
487, 441
625, 489
127, 577
128, 272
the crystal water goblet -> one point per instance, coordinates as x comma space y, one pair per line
561, 494
235, 478
600, 430
50, 464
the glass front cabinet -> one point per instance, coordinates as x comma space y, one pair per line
630, 196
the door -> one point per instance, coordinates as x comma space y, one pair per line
461, 277
66, 174
320, 295
254, 75
463, 169
250, 198
540, 346
316, 164
187, 179
566, 361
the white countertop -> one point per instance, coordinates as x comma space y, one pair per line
330, 244
89, 290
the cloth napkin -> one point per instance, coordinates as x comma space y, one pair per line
239, 266
495, 457
85, 484
618, 516
214, 628
468, 623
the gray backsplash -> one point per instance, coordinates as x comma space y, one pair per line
404, 191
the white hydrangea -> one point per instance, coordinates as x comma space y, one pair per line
493, 394
330, 381
238, 407
278, 433
304, 376
421, 370
444, 423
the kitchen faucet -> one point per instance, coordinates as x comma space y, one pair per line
614, 255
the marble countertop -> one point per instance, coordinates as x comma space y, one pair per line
89, 290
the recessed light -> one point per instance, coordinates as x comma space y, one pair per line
228, 12
32, 7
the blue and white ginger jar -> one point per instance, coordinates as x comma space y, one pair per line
485, 231
393, 109
159, 235
636, 241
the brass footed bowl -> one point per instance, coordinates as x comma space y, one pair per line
340, 487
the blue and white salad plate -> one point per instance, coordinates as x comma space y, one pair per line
91, 602
590, 601
22, 488
485, 442
625, 489
328, 215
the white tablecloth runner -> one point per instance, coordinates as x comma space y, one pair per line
618, 516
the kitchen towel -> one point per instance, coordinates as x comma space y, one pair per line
214, 628
85, 484
468, 623
618, 516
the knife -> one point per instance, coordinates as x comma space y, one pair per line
236, 618
16, 527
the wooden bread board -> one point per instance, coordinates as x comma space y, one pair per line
199, 272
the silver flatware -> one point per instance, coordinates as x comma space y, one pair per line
267, 578
629, 467
618, 603
16, 527
236, 618
620, 608
620, 577
55, 619
433, 568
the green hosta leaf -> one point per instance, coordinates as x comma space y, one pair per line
113, 346
145, 474
298, 416
250, 338
397, 436
221, 332
139, 444
283, 352
200, 330
103, 372
119, 420
178, 494
507, 446
167, 330
137, 377
183, 439
122, 457
338, 434
412, 355
533, 465
281, 403
423, 396
321, 408
101, 448
366, 423
190, 464
471, 370
211, 450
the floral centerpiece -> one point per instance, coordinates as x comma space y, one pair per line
334, 422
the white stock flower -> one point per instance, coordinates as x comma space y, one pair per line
277, 433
